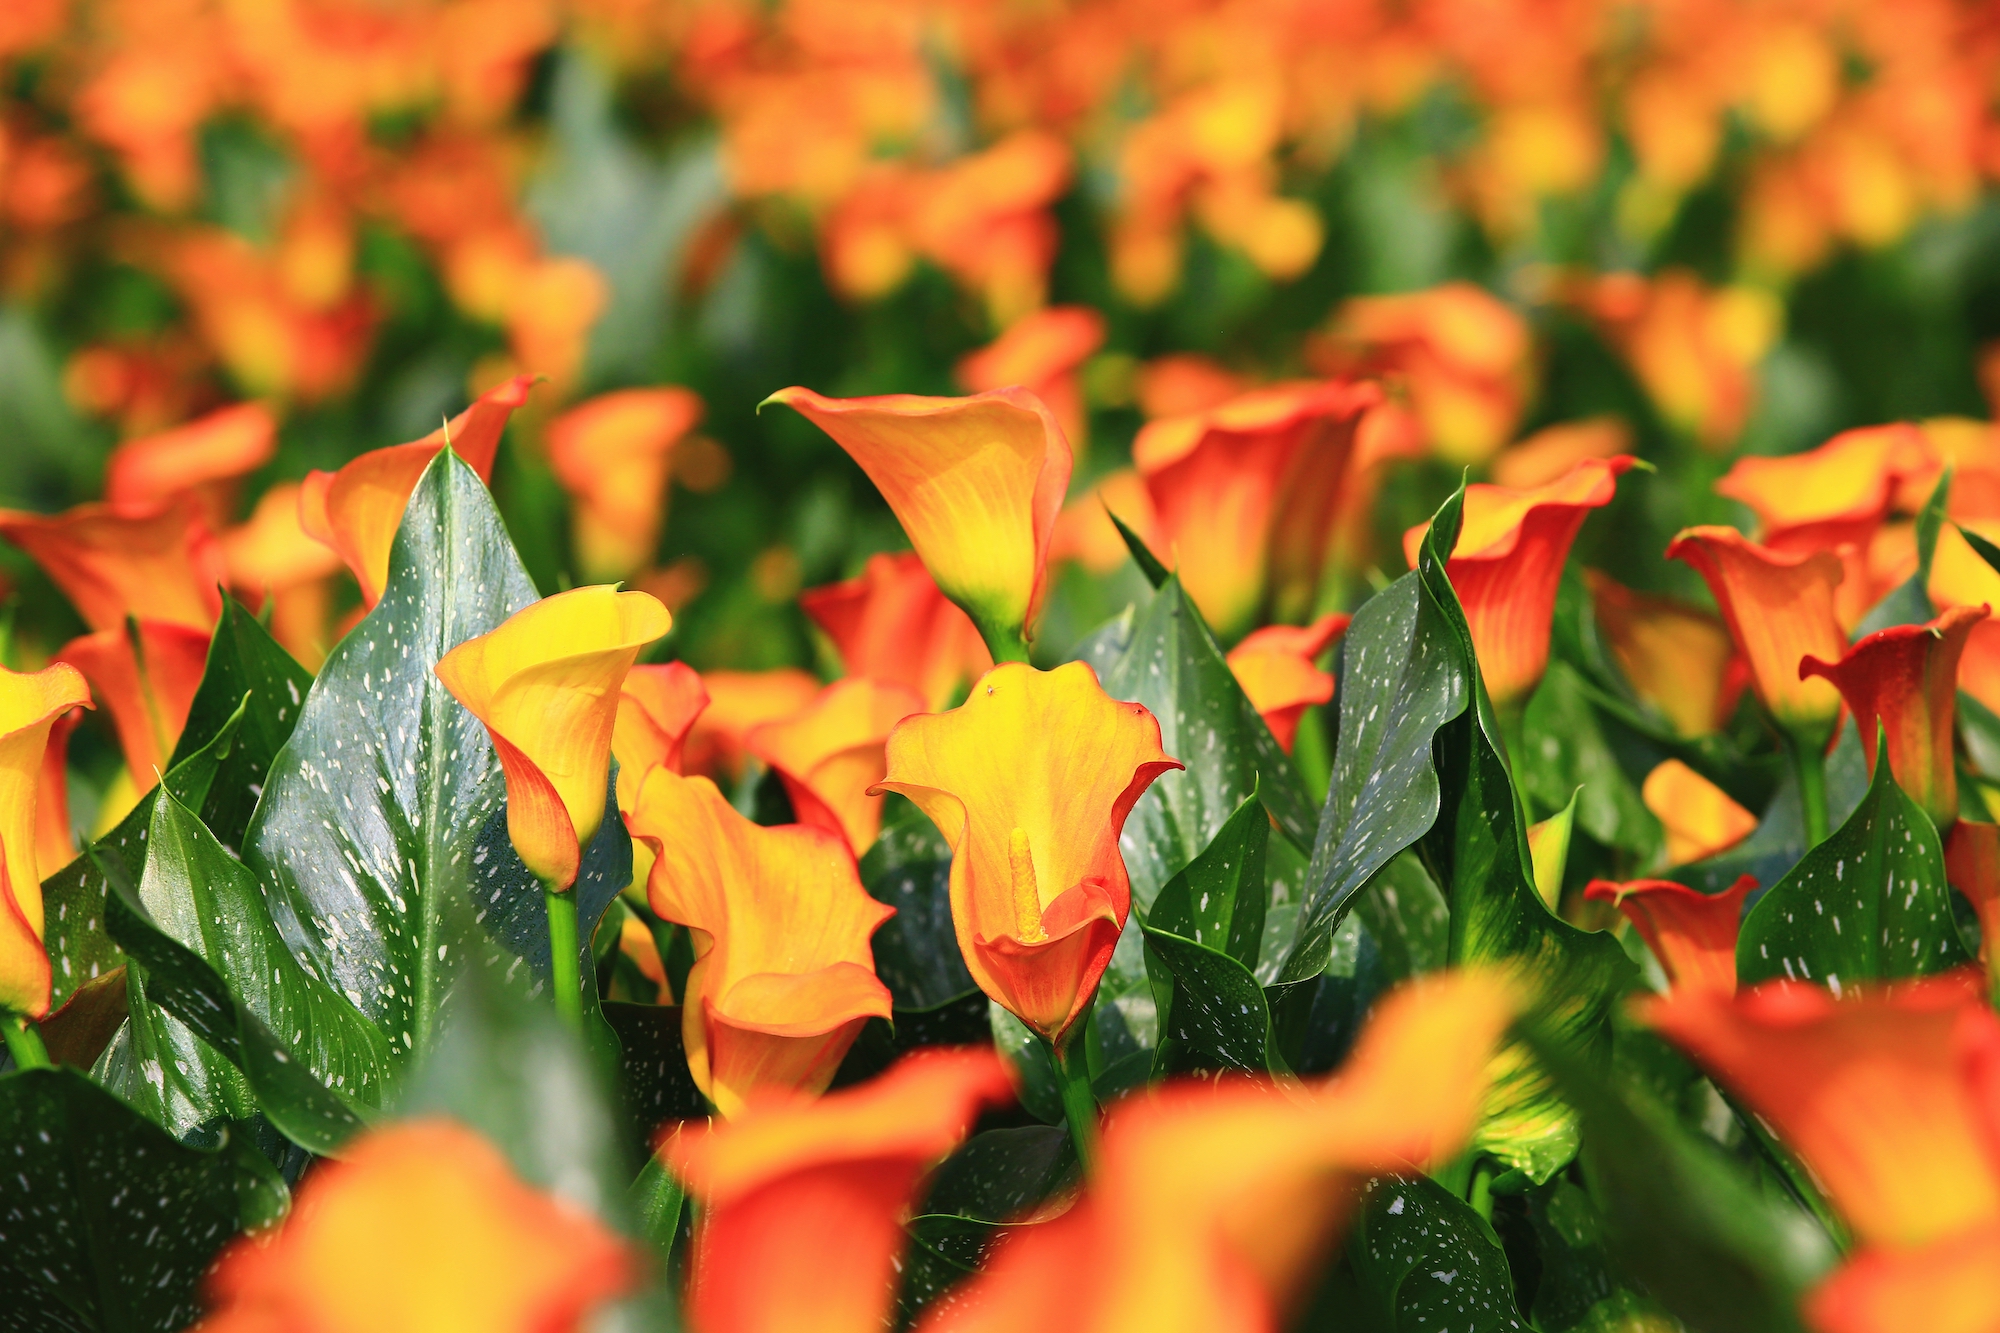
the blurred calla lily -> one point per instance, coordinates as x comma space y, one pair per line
357, 510
1508, 564
612, 455
30, 704
1084, 532
204, 458
270, 555
1699, 817
159, 563
1030, 782
1839, 492
1780, 610
146, 673
1692, 933
976, 483
546, 684
1551, 452
1041, 352
1676, 656
830, 755
1905, 678
1277, 668
451, 1241
892, 624
1946, 1287
802, 1204
657, 707
1972, 866
783, 977
737, 702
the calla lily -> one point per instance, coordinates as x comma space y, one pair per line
1693, 934
1839, 492
1905, 678
829, 755
1553, 451
1275, 667
29, 707
357, 510
802, 1204
205, 458
451, 1241
547, 683
1245, 494
270, 555
783, 978
1508, 564
1780, 610
976, 483
1676, 656
1946, 1287
657, 708
1041, 353
55, 839
892, 624
612, 455
737, 702
147, 675
158, 563
1030, 782
1084, 531
1699, 817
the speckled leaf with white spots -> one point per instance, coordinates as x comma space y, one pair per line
1423, 1261
1001, 1176
1868, 904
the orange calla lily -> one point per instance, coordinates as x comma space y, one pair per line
976, 483
357, 510
148, 682
783, 977
1972, 866
657, 708
1508, 564
1780, 610
1084, 532
546, 684
737, 702
1551, 452
1905, 678
203, 457
158, 563
1692, 933
1276, 668
451, 1241
830, 755
30, 704
802, 1204
271, 555
612, 455
1041, 353
1699, 817
55, 839
1030, 782
892, 624
1676, 656
1839, 492
1245, 494
1946, 1287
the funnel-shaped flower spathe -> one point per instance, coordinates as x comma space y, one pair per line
1277, 668
1676, 656
159, 563
1508, 564
657, 708
783, 977
829, 754
203, 458
976, 483
612, 455
148, 680
29, 707
737, 702
55, 839
1693, 934
1041, 353
1839, 492
546, 684
1905, 678
802, 1203
1030, 782
357, 510
1780, 610
892, 624
1699, 817
451, 1241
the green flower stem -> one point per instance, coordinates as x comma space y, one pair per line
24, 1042
1809, 763
563, 956
1481, 1194
1079, 1102
1006, 643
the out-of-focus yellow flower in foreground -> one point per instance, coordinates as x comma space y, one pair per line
29, 707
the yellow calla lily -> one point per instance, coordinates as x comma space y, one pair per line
29, 707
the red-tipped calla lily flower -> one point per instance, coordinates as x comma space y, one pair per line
1699, 817
657, 708
148, 681
1276, 666
204, 458
802, 1205
1677, 656
1905, 678
1780, 610
1946, 1287
29, 707
612, 455
737, 702
783, 977
158, 563
1030, 782
1551, 452
892, 624
1041, 353
546, 685
1835, 494
830, 755
1692, 933
1508, 564
451, 1241
976, 483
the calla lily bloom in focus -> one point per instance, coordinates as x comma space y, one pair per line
1508, 564
1692, 933
546, 684
1839, 492
657, 708
205, 457
829, 755
158, 563
148, 683
892, 624
738, 701
1699, 817
612, 455
1276, 666
976, 483
1906, 679
30, 704
802, 1204
1780, 611
449, 1238
783, 977
1676, 656
1030, 782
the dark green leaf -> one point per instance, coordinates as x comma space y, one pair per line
657, 1204
653, 1070
1003, 1175
916, 951
1217, 899
1407, 917
1034, 1072
1566, 752
1423, 1260
1986, 549
1142, 555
